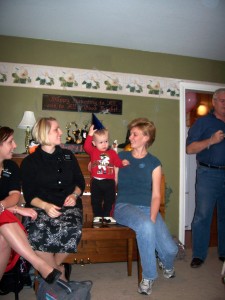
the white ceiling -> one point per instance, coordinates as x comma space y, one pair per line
193, 28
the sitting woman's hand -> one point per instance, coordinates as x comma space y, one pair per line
70, 200
26, 212
52, 210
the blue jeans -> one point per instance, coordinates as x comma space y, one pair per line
150, 237
210, 192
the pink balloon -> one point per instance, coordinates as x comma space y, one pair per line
191, 100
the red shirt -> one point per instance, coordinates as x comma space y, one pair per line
102, 162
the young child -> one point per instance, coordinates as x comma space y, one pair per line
103, 161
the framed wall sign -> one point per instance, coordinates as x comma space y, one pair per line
81, 104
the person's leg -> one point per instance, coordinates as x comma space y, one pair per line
96, 198
138, 219
48, 257
17, 240
109, 192
5, 251
206, 190
55, 260
60, 258
165, 245
221, 216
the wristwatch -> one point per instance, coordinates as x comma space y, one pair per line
76, 195
2, 208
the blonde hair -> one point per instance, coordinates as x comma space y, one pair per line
100, 132
147, 127
41, 130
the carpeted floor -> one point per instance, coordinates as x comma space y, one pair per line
110, 281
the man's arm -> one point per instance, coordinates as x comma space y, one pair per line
197, 147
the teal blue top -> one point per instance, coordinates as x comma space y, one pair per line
135, 180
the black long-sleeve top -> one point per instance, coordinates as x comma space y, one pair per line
51, 177
10, 178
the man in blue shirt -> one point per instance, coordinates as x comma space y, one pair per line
206, 139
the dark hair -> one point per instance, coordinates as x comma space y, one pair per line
5, 133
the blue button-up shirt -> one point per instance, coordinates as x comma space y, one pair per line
202, 129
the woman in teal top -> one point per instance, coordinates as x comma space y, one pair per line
138, 203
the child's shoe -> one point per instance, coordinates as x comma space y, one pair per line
97, 220
109, 220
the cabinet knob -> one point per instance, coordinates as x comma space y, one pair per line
82, 263
88, 261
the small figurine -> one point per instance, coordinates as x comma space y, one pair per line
69, 139
32, 146
84, 131
115, 146
76, 134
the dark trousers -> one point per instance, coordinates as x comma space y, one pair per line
103, 195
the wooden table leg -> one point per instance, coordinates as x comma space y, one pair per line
129, 256
36, 281
139, 267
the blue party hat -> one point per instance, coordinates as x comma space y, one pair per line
97, 124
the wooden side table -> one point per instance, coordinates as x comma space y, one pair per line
106, 232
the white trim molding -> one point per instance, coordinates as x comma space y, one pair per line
95, 81
196, 87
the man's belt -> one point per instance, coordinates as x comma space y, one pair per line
211, 166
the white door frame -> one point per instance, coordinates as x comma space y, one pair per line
204, 87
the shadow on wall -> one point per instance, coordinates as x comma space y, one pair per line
168, 192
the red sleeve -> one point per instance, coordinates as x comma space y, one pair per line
88, 147
117, 162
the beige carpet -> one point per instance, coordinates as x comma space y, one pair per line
110, 281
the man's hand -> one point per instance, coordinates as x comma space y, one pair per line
217, 137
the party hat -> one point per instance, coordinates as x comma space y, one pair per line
97, 124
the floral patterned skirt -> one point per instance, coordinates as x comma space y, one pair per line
55, 235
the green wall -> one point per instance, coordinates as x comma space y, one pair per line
164, 112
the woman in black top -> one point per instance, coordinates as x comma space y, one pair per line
12, 234
52, 183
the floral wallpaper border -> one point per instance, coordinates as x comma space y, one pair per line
71, 79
